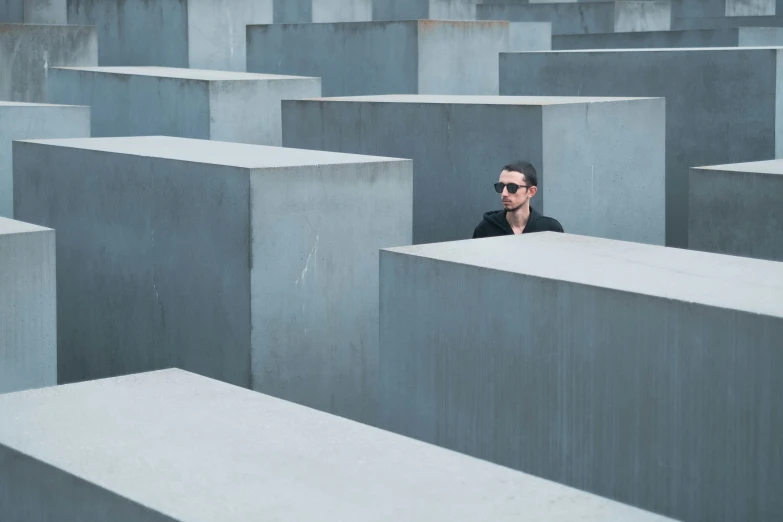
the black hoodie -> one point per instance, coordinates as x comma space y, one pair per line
495, 224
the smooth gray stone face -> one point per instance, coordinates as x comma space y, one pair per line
254, 265
188, 103
600, 160
737, 209
173, 446
404, 57
28, 337
424, 9
728, 21
645, 374
203, 34
27, 51
726, 37
722, 105
722, 8
585, 17
33, 12
321, 11
19, 121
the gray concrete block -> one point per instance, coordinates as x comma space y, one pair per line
600, 160
322, 11
722, 8
33, 12
403, 57
254, 265
28, 337
27, 51
19, 121
202, 34
726, 21
218, 105
708, 122
725, 37
173, 446
424, 9
737, 209
645, 374
585, 17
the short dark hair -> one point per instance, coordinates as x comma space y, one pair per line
526, 169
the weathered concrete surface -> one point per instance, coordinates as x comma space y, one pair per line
28, 337
725, 37
403, 57
321, 11
722, 8
585, 17
424, 9
173, 446
600, 160
250, 264
33, 12
708, 122
27, 51
19, 121
645, 374
727, 21
202, 34
737, 209
218, 105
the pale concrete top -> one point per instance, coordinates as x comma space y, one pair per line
11, 226
211, 152
749, 285
654, 50
185, 74
198, 450
456, 99
26, 104
369, 24
755, 167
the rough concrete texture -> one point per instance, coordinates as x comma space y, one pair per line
316, 11
737, 209
424, 9
722, 103
19, 121
644, 374
254, 265
173, 446
403, 57
27, 51
600, 160
28, 337
206, 34
722, 8
585, 17
33, 12
725, 37
726, 21
218, 105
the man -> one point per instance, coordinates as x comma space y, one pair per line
517, 185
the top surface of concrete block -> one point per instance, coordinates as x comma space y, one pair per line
212, 152
669, 273
480, 100
773, 167
11, 226
661, 49
25, 104
185, 74
193, 449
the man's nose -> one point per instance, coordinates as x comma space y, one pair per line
505, 192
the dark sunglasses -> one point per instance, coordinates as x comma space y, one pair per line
512, 187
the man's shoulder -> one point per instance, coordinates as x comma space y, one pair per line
548, 224
488, 226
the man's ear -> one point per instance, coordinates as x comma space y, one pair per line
533, 191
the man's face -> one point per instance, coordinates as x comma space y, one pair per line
512, 202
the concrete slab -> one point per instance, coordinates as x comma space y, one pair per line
727, 21
424, 10
189, 103
737, 209
27, 51
254, 265
600, 160
202, 34
722, 8
403, 57
28, 338
726, 37
584, 17
613, 367
33, 12
174, 446
322, 11
708, 122
19, 121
